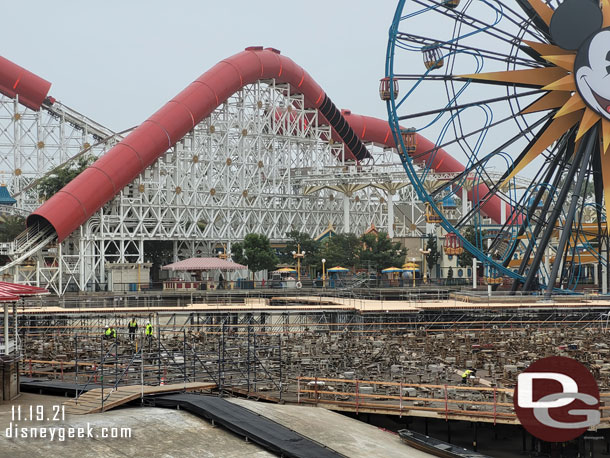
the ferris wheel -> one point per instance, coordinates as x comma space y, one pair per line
514, 93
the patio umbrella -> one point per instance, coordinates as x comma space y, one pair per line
391, 270
7, 297
285, 270
21, 290
410, 267
337, 269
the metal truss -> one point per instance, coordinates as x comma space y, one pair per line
32, 143
247, 168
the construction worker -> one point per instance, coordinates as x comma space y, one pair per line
466, 375
133, 327
110, 332
149, 331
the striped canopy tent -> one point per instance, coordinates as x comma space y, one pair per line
195, 264
21, 290
337, 269
391, 270
12, 292
7, 297
410, 267
285, 270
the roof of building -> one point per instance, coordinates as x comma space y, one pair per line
5, 196
329, 232
204, 264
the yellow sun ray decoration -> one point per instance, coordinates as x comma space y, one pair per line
574, 66
539, 114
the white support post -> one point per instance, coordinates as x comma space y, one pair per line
604, 279
474, 273
6, 328
390, 215
595, 274
464, 201
502, 212
346, 222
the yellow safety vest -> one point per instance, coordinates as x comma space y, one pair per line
466, 373
149, 330
133, 324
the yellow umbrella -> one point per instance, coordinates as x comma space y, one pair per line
285, 270
337, 269
391, 270
410, 267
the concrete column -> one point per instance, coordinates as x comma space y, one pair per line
595, 275
346, 222
175, 247
604, 279
390, 214
464, 200
474, 273
502, 212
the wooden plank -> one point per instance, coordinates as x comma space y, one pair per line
91, 402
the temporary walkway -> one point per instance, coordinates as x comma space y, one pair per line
98, 400
244, 422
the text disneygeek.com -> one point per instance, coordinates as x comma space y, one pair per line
61, 433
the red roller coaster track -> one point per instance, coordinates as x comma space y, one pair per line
105, 178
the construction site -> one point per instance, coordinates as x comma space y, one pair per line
385, 362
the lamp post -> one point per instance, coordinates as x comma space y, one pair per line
298, 255
424, 254
413, 271
323, 273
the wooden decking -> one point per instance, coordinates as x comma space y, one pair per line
91, 401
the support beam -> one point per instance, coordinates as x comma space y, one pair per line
591, 142
6, 328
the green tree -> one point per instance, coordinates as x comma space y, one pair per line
255, 252
303, 241
379, 252
465, 259
434, 255
340, 250
61, 176
159, 253
10, 227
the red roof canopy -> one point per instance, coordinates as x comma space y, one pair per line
204, 264
16, 290
6, 297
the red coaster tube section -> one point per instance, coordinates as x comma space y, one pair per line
99, 183
17, 81
105, 178
375, 130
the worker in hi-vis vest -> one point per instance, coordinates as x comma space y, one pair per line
110, 332
467, 373
149, 331
132, 327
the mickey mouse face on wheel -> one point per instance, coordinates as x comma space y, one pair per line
577, 25
593, 77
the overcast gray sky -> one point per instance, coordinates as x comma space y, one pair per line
118, 61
